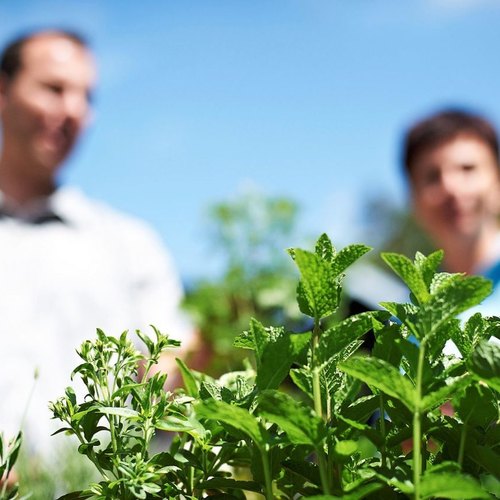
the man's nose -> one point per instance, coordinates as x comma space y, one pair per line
450, 183
76, 108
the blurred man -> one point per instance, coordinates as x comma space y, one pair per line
452, 163
68, 264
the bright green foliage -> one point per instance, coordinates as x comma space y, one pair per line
447, 485
383, 376
484, 362
297, 422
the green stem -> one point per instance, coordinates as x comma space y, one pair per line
113, 434
383, 449
318, 407
323, 471
461, 449
417, 425
267, 475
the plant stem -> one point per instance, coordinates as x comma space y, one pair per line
323, 471
461, 449
267, 475
417, 425
318, 407
317, 393
383, 448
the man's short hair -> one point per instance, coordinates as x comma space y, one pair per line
11, 57
442, 127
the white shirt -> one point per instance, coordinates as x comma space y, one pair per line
60, 280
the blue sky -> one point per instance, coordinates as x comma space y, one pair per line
200, 99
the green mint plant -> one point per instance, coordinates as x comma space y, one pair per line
299, 421
286, 431
413, 377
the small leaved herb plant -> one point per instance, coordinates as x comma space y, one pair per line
313, 416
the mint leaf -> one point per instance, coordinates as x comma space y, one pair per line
299, 422
319, 291
484, 362
449, 485
409, 273
382, 375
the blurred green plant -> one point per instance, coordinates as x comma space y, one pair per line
257, 279
41, 479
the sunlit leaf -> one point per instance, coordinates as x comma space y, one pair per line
300, 423
484, 362
409, 273
449, 485
382, 375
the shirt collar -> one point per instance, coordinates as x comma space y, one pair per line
41, 210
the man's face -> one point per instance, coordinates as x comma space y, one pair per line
456, 189
45, 106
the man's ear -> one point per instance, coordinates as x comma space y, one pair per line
3, 90
4, 83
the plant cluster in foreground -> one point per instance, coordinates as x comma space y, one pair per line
300, 422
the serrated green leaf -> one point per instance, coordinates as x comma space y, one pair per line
278, 356
235, 417
361, 409
302, 378
262, 337
300, 423
440, 395
458, 294
385, 346
460, 338
244, 341
347, 256
210, 389
406, 313
318, 288
429, 265
449, 485
484, 363
305, 307
409, 273
478, 406
324, 248
382, 375
440, 280
340, 335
